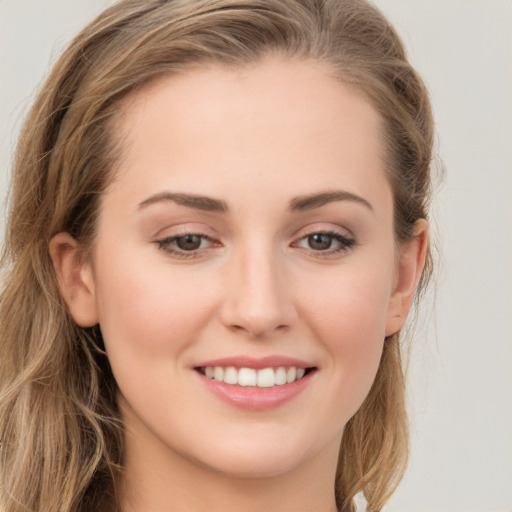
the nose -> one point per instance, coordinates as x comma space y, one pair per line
259, 300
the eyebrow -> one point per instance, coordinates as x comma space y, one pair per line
189, 200
309, 202
299, 203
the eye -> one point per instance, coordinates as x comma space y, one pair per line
186, 245
320, 241
325, 243
189, 242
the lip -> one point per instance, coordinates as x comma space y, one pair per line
254, 398
257, 363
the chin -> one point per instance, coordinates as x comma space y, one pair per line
247, 466
251, 459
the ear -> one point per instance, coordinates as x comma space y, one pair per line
410, 266
75, 279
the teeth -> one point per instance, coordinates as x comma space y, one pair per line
281, 376
291, 374
218, 373
247, 377
230, 375
264, 378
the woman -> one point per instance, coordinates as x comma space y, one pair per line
225, 227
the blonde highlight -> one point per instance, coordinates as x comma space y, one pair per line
60, 430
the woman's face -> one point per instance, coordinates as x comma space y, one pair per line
247, 237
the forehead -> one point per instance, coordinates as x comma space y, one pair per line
275, 122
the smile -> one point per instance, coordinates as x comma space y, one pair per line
261, 378
256, 383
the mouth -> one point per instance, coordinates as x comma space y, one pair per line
267, 377
256, 384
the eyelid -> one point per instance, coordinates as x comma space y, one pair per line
343, 236
184, 228
323, 227
165, 244
172, 233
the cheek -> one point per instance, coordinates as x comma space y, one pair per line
347, 314
147, 311
149, 317
351, 301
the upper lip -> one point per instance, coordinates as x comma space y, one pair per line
256, 363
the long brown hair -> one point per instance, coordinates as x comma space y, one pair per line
60, 431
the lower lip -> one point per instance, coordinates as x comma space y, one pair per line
255, 398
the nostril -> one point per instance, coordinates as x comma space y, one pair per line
258, 329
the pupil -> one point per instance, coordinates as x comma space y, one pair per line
320, 242
189, 242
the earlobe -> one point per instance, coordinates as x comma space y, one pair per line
75, 279
410, 266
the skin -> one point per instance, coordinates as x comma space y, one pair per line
254, 139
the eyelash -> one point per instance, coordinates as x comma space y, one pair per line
165, 245
345, 243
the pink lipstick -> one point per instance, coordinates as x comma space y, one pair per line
256, 383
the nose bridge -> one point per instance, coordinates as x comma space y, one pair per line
259, 300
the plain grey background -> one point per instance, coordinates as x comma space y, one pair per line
461, 360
